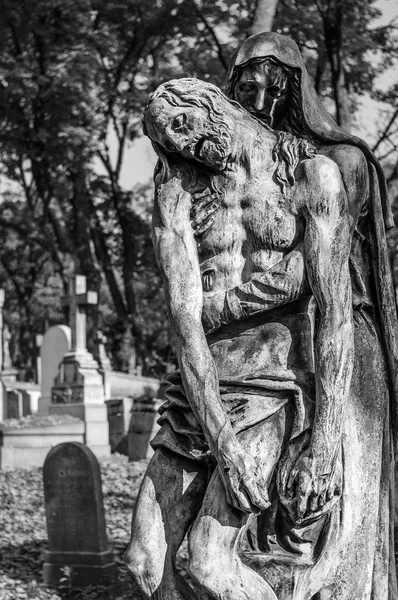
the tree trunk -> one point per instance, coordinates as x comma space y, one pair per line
263, 16
332, 25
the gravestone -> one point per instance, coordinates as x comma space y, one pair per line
56, 343
75, 518
78, 389
7, 373
14, 406
143, 428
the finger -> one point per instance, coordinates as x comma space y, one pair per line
322, 499
202, 204
281, 480
236, 496
200, 215
258, 496
303, 493
313, 502
200, 195
242, 502
202, 227
291, 487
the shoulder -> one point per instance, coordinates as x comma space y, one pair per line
321, 172
320, 187
348, 157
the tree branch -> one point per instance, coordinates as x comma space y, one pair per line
213, 35
386, 130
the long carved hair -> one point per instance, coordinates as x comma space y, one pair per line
288, 150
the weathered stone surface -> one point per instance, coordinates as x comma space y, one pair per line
78, 388
143, 428
56, 343
26, 442
75, 518
272, 248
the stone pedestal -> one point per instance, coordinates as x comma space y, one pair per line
78, 391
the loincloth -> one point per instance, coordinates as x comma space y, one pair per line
247, 401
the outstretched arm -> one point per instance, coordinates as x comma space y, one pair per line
178, 260
327, 244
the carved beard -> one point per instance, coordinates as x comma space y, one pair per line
214, 151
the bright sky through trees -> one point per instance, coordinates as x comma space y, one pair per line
140, 158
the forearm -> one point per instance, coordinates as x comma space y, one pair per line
178, 260
334, 352
279, 285
201, 386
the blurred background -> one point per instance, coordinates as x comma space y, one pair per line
75, 170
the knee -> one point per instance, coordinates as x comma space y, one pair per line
203, 564
143, 568
203, 572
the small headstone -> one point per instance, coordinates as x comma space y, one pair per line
78, 389
14, 406
56, 343
75, 518
143, 428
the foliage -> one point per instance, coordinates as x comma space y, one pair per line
74, 80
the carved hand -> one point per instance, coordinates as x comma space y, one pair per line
213, 306
202, 212
308, 486
244, 485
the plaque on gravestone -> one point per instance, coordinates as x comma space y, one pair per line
75, 518
13, 405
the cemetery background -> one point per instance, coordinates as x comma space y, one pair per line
74, 79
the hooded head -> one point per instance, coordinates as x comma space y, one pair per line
304, 114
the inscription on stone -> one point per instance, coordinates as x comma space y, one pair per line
75, 517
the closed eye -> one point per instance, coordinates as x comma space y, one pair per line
275, 91
179, 121
246, 87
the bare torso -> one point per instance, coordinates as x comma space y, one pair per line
253, 229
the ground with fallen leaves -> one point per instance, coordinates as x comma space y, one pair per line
23, 534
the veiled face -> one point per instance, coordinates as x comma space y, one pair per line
263, 89
189, 131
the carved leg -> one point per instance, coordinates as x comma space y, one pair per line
169, 500
213, 541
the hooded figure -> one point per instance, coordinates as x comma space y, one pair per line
374, 310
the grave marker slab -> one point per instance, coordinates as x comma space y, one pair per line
56, 343
75, 518
78, 389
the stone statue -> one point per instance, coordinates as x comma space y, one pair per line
275, 447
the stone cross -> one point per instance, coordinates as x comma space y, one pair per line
77, 301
